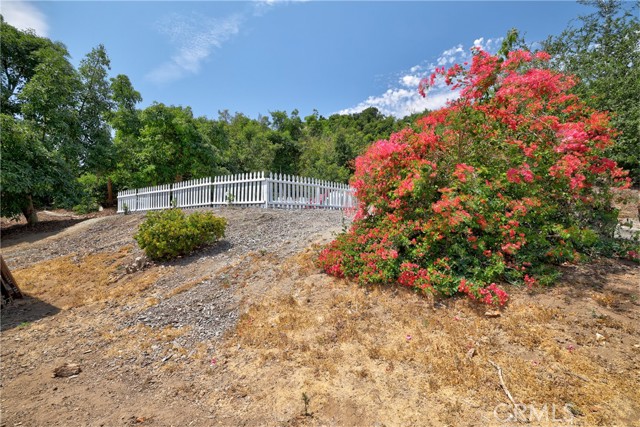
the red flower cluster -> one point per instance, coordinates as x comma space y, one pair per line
485, 189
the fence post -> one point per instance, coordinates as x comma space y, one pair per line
265, 188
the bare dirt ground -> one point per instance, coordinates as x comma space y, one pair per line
238, 333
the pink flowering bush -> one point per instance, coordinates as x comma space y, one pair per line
499, 186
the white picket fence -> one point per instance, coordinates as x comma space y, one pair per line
247, 189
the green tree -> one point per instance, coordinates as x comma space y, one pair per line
318, 159
249, 147
125, 118
172, 146
603, 50
125, 121
39, 121
30, 171
215, 140
344, 151
94, 107
48, 102
18, 61
314, 124
285, 137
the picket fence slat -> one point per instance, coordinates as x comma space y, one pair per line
248, 189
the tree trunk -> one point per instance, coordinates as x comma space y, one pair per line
109, 192
29, 212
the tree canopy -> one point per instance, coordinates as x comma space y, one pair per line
70, 134
603, 49
39, 153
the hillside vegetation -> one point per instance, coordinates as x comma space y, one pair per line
236, 333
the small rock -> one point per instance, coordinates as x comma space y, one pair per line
599, 337
66, 370
493, 313
138, 264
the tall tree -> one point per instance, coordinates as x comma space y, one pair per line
249, 146
39, 88
173, 148
30, 170
18, 62
48, 101
94, 107
216, 141
603, 50
125, 120
285, 137
344, 151
318, 159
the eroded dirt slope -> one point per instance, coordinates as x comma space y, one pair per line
236, 333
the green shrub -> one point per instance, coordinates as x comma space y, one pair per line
501, 186
87, 205
167, 234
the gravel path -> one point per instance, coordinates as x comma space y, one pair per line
248, 229
91, 236
256, 240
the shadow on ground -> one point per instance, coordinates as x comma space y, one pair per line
25, 310
31, 233
216, 248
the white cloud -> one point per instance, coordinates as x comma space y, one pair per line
451, 55
25, 16
489, 45
402, 102
195, 38
403, 99
410, 80
260, 7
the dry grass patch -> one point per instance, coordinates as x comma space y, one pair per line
73, 281
389, 356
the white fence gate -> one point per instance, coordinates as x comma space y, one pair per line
247, 189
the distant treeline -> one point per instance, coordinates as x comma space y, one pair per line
73, 137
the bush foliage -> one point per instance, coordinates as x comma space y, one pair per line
167, 234
499, 186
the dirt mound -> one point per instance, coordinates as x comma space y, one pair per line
237, 333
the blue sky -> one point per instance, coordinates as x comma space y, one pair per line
261, 56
